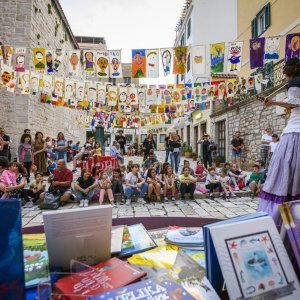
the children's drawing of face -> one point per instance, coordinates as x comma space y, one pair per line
34, 81
203, 91
272, 44
6, 77
58, 52
89, 56
138, 59
112, 96
179, 54
235, 50
102, 63
255, 45
46, 87
92, 93
295, 43
39, 56
132, 97
115, 63
20, 60
80, 91
122, 97
151, 59
141, 96
58, 87
69, 90
49, 58
176, 96
74, 59
166, 56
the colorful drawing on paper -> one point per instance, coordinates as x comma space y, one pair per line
150, 96
292, 46
102, 66
217, 57
197, 91
176, 96
115, 64
7, 53
180, 59
89, 63
250, 83
166, 59
8, 78
58, 91
79, 90
58, 60
152, 63
112, 96
49, 61
34, 83
272, 47
20, 58
132, 96
142, 99
39, 59
198, 60
230, 87
46, 88
24, 81
257, 52
101, 94
91, 88
256, 264
139, 63
69, 92
74, 63
235, 52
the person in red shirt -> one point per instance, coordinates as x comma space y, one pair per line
61, 180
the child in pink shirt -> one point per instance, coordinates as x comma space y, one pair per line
8, 178
105, 188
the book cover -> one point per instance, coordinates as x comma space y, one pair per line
254, 261
85, 233
159, 235
192, 236
116, 239
36, 261
161, 257
191, 276
103, 277
140, 239
127, 241
290, 213
147, 289
213, 269
196, 255
12, 283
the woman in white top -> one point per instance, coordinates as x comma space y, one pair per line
283, 181
266, 139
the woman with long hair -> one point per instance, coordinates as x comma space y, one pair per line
282, 183
61, 147
148, 144
39, 153
25, 153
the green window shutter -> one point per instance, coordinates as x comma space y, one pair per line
254, 28
267, 9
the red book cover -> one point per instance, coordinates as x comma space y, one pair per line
103, 277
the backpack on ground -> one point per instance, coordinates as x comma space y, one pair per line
51, 200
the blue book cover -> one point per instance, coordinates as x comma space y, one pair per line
147, 289
141, 240
213, 269
12, 282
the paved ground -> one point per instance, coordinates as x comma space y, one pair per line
202, 207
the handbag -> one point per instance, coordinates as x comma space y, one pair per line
51, 200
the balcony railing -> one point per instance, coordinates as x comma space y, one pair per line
272, 75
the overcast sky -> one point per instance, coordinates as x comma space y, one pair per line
126, 24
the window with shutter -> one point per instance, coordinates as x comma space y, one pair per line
254, 28
267, 16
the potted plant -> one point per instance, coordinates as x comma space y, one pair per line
218, 160
188, 153
194, 156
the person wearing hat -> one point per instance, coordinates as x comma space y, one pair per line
282, 183
121, 140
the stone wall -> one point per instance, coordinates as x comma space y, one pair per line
32, 23
250, 118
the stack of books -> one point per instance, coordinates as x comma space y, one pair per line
185, 237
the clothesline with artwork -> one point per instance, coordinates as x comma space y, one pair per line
87, 94
145, 62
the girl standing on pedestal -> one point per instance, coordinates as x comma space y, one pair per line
283, 181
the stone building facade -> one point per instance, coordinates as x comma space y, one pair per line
251, 118
36, 23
